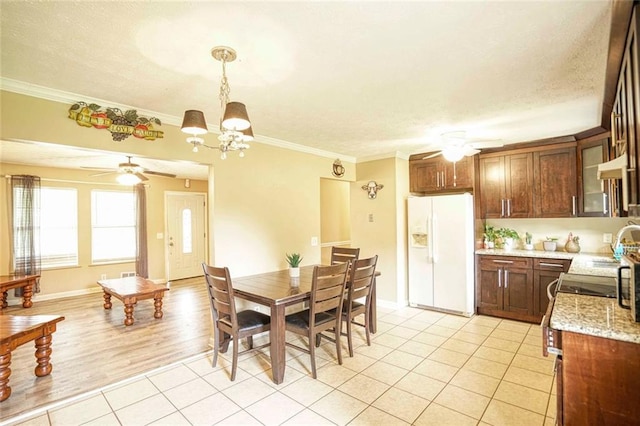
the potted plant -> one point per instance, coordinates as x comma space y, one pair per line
489, 236
294, 260
507, 237
550, 244
528, 243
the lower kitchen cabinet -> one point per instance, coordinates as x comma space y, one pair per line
515, 287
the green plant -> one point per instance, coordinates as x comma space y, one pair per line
527, 238
507, 233
552, 238
294, 259
489, 233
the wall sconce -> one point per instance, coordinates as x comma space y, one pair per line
372, 189
338, 168
187, 183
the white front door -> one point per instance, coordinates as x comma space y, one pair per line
185, 237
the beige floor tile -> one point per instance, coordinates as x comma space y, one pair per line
146, 411
131, 393
201, 365
501, 413
210, 410
449, 357
40, 420
485, 321
403, 359
190, 392
392, 319
358, 362
364, 388
503, 345
173, 377
429, 339
541, 365
415, 324
374, 351
552, 406
290, 375
339, 407
532, 340
402, 331
439, 330
302, 363
437, 415
221, 379
535, 330
519, 327
240, 418
81, 411
254, 364
389, 340
307, 390
554, 385
513, 336
334, 375
385, 372
408, 311
248, 391
486, 367
451, 321
549, 421
375, 417
475, 382
466, 336
306, 417
533, 351
523, 397
383, 327
429, 316
436, 370
416, 348
496, 355
529, 378
463, 401
275, 409
399, 403
479, 329
173, 419
111, 420
460, 346
422, 386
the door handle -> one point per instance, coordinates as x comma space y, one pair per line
506, 278
499, 277
553, 265
508, 207
573, 204
605, 204
502, 207
170, 244
503, 261
437, 179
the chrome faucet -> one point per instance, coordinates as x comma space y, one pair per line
622, 231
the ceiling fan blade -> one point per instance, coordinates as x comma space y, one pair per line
142, 177
103, 173
469, 152
435, 154
495, 143
95, 168
151, 172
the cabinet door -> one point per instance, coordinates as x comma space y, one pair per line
518, 175
423, 175
554, 174
489, 295
517, 285
593, 193
492, 187
458, 175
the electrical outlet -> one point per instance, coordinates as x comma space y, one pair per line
314, 241
103, 276
370, 217
606, 237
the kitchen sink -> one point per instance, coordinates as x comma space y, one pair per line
605, 263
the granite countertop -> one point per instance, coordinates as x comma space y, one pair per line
595, 316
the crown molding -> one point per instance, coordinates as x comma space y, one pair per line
397, 154
55, 95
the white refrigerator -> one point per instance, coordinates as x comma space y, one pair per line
441, 253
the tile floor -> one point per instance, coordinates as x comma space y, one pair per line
423, 368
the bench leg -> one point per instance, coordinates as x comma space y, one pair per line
128, 314
5, 372
43, 356
107, 300
4, 300
157, 303
26, 296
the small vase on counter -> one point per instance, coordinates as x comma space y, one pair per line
573, 244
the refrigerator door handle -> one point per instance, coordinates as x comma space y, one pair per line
434, 238
429, 240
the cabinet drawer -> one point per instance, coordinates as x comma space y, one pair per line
510, 262
559, 265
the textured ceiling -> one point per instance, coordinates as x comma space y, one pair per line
355, 78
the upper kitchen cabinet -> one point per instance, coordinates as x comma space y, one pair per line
433, 175
593, 194
505, 185
554, 179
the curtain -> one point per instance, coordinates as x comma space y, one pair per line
142, 263
25, 221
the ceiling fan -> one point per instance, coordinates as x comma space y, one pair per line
129, 172
455, 145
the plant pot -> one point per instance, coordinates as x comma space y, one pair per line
549, 245
528, 246
294, 272
489, 244
508, 244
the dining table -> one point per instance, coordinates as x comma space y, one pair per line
277, 290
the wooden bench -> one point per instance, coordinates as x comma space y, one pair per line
27, 282
131, 289
16, 330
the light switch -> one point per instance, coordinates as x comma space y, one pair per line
370, 217
314, 241
159, 235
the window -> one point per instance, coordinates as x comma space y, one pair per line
113, 226
58, 227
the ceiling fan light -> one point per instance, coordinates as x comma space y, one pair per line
128, 179
247, 135
453, 153
194, 123
235, 117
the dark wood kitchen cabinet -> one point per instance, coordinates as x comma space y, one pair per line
436, 174
504, 287
505, 186
555, 183
593, 194
545, 271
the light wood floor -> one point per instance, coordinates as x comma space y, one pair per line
92, 348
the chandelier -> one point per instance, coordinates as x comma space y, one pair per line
235, 127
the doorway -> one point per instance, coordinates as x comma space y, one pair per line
335, 216
185, 235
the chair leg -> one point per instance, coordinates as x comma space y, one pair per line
349, 340
367, 326
250, 342
216, 346
312, 353
337, 331
234, 364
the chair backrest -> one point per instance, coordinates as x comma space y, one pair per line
344, 254
361, 278
220, 293
327, 289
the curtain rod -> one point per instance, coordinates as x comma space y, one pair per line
76, 181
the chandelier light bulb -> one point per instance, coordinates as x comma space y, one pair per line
195, 148
223, 156
241, 155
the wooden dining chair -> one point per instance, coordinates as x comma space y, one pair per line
327, 296
229, 324
358, 300
344, 254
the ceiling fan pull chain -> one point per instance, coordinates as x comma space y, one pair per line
454, 174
